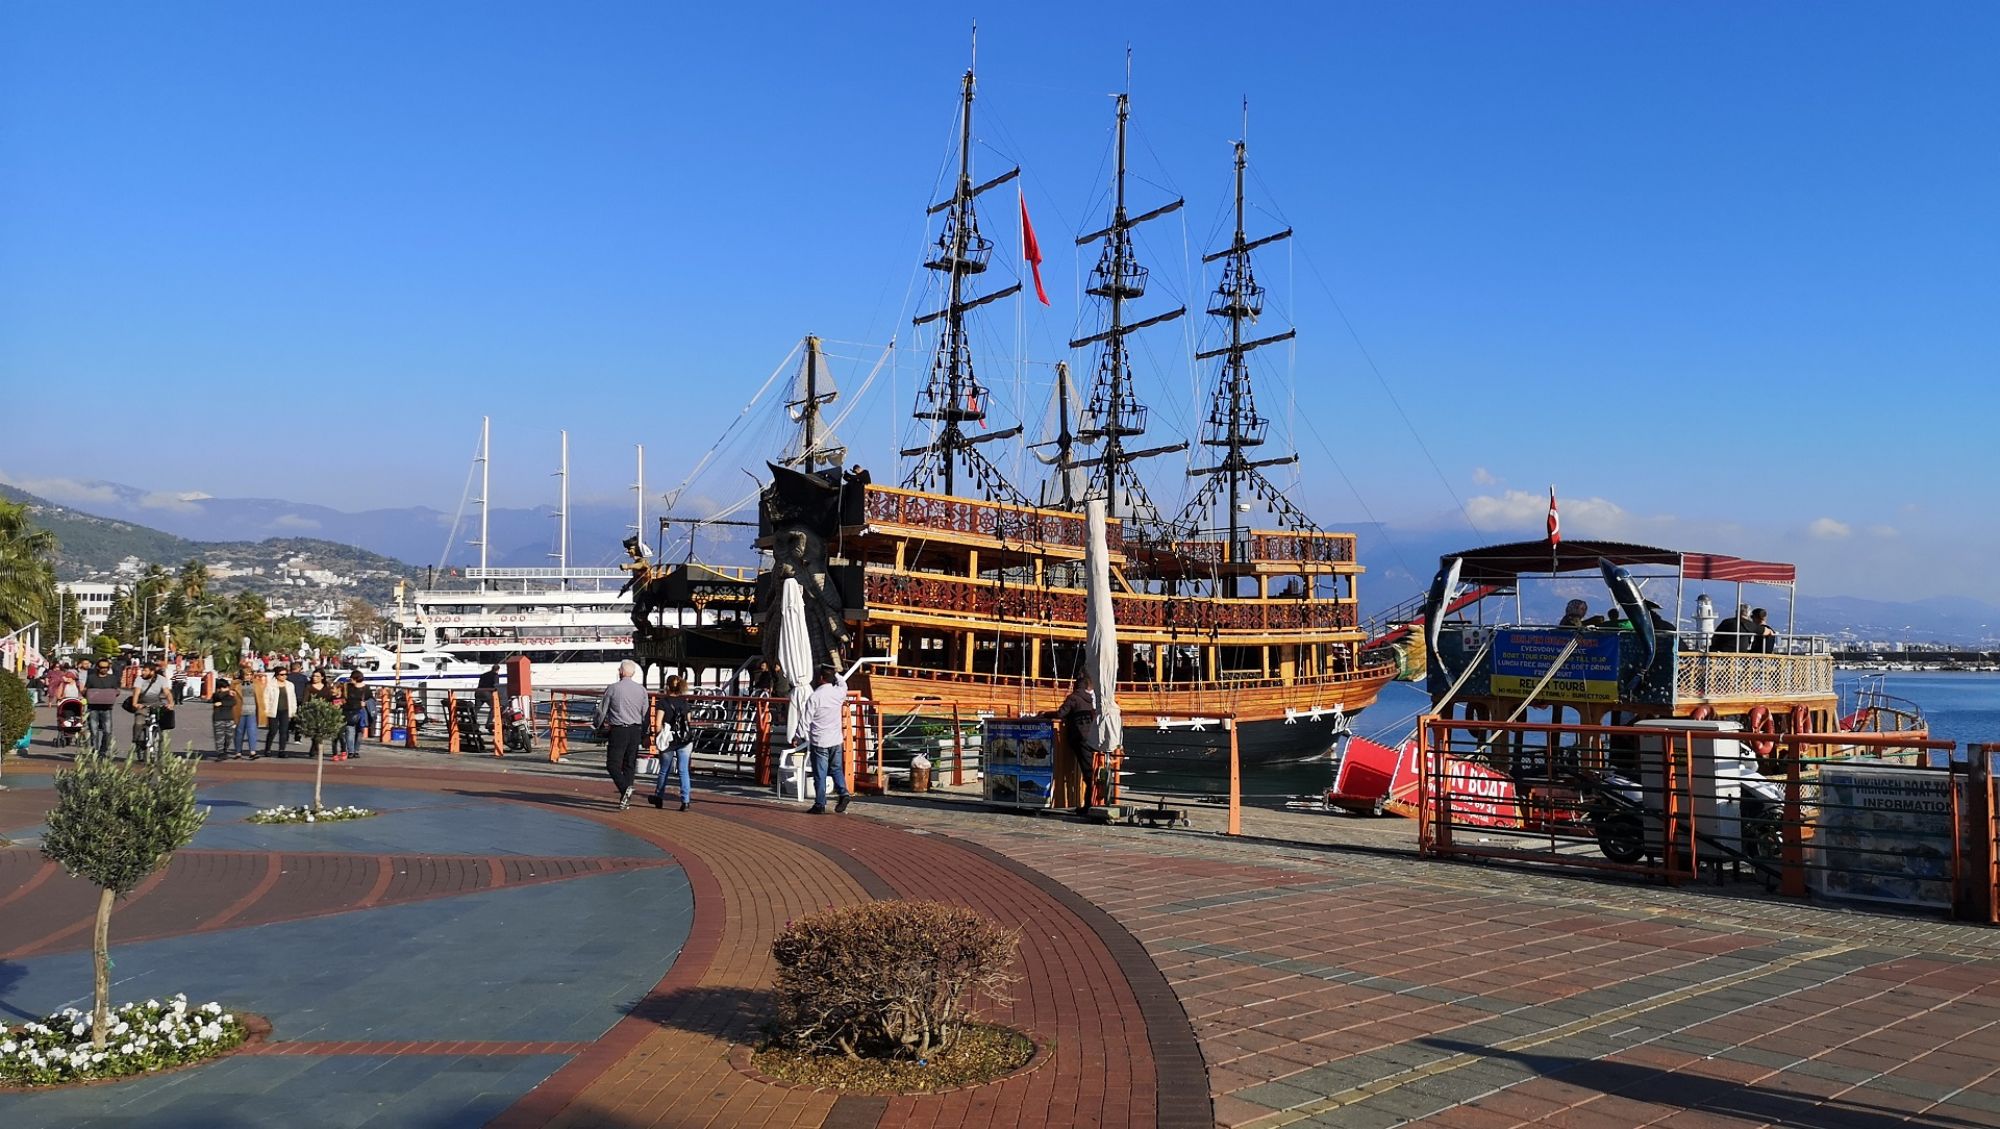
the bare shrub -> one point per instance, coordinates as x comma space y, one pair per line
894, 980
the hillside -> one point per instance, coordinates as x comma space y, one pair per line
288, 568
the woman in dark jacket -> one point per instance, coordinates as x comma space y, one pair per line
676, 740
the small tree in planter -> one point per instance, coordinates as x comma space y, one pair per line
887, 980
114, 824
321, 722
17, 713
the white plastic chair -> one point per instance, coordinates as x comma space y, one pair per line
795, 765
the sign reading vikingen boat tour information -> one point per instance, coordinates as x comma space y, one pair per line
1884, 834
1522, 658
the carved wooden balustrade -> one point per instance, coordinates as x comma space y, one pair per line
1029, 604
973, 518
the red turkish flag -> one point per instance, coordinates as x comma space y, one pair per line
1555, 521
1032, 251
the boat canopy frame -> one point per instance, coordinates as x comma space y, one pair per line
1503, 565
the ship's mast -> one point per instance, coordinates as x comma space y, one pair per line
1234, 425
1064, 443
953, 396
485, 484
817, 444
1114, 412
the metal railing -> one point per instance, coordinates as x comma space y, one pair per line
1724, 674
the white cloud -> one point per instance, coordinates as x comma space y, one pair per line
294, 521
1524, 511
1483, 477
1884, 532
68, 491
194, 496
161, 500
1827, 529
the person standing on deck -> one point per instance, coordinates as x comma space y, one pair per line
621, 717
823, 738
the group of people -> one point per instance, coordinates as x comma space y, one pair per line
622, 713
1746, 632
1614, 618
269, 701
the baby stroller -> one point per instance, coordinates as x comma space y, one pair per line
70, 712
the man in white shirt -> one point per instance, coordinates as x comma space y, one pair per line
823, 738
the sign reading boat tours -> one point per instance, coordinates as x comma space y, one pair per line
1884, 834
1521, 659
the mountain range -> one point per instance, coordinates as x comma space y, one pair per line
125, 521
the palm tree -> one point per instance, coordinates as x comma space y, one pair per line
27, 568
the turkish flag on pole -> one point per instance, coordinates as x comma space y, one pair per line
1032, 250
1555, 521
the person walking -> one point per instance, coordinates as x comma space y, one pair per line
100, 694
318, 690
225, 703
823, 738
354, 704
250, 716
621, 718
280, 703
676, 741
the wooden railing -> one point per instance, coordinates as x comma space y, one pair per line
883, 505
1724, 674
1024, 605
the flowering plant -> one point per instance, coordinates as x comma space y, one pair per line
304, 814
138, 1038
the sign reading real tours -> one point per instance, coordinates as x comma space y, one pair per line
1522, 658
1884, 834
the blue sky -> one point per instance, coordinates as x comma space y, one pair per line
1724, 273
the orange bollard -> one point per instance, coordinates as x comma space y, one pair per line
558, 727
763, 746
382, 716
409, 721
957, 748
451, 722
499, 725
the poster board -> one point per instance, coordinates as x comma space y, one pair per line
1018, 758
1522, 658
1884, 834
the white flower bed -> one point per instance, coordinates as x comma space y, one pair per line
139, 1038
304, 814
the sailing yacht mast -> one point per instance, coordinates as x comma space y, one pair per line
1114, 413
953, 396
639, 488
562, 516
1234, 425
485, 484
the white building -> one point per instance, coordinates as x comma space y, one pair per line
93, 599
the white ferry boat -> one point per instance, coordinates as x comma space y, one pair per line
572, 624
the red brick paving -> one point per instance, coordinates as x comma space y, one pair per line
1322, 989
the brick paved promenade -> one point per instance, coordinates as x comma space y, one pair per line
502, 947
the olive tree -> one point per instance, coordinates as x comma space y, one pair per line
321, 721
114, 824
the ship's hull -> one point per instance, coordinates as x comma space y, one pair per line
1166, 728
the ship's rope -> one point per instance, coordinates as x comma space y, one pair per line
458, 515
674, 497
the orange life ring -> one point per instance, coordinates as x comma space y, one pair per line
1759, 722
1801, 720
1702, 712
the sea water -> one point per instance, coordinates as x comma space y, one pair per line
1961, 707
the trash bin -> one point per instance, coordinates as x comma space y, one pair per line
920, 778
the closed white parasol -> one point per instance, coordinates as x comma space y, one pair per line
1100, 639
795, 656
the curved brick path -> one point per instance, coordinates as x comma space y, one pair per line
1118, 1049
